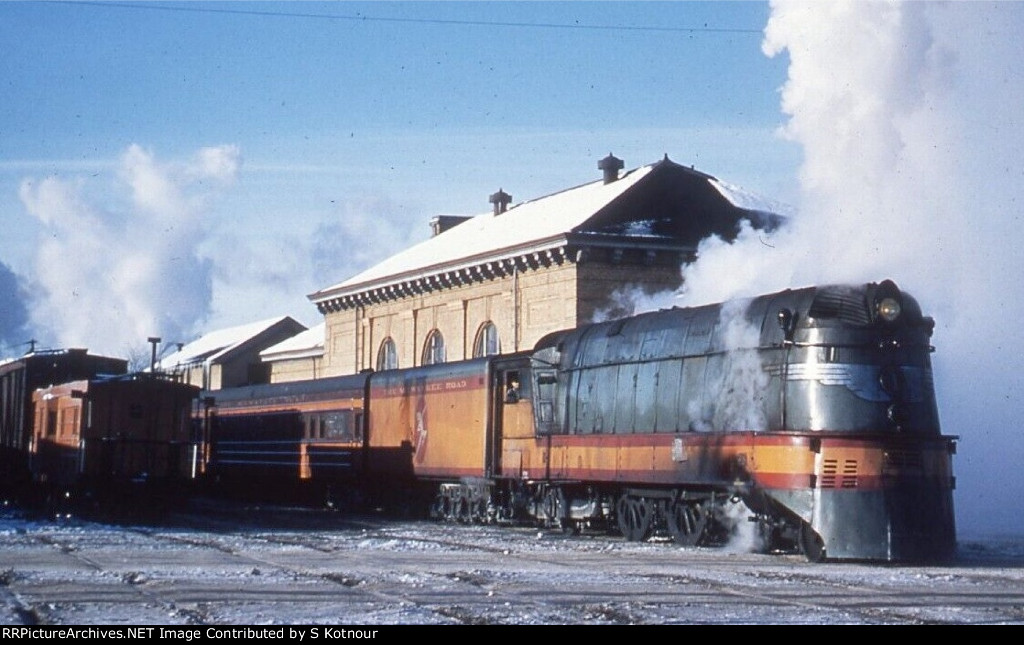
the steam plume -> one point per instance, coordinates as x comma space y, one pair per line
113, 270
909, 115
13, 313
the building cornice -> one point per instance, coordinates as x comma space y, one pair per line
315, 352
570, 248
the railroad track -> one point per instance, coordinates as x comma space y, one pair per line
277, 566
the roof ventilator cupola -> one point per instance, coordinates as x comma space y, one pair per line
611, 165
501, 200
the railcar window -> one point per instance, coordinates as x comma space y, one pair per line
544, 402
513, 387
337, 425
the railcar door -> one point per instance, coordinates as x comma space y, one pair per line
513, 431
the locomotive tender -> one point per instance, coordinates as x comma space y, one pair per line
811, 410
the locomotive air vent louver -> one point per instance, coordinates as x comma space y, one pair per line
849, 478
850, 308
834, 475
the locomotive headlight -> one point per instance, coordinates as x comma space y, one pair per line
889, 309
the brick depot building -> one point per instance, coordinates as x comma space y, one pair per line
498, 282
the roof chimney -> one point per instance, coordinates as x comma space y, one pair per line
611, 165
501, 200
442, 223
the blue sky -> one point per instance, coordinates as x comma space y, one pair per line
173, 168
391, 111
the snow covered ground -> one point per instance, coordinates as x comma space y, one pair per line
303, 567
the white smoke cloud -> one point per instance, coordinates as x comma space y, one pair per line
743, 535
909, 116
340, 245
868, 99
632, 299
112, 271
14, 334
739, 399
219, 163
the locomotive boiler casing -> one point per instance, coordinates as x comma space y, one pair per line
860, 392
804, 403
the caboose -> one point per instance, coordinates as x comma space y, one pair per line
19, 379
122, 441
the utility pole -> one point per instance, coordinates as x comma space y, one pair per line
154, 340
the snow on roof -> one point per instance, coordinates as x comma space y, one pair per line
217, 343
301, 345
747, 200
529, 222
529, 226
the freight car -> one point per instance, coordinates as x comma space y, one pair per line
122, 443
809, 411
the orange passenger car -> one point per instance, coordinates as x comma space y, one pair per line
301, 440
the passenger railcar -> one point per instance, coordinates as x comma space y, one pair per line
303, 441
455, 418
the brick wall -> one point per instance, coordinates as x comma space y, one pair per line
523, 307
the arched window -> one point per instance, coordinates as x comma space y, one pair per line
487, 343
387, 357
433, 349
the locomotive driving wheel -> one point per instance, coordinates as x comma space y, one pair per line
686, 522
439, 507
464, 509
811, 544
556, 510
634, 516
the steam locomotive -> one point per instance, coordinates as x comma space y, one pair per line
810, 411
